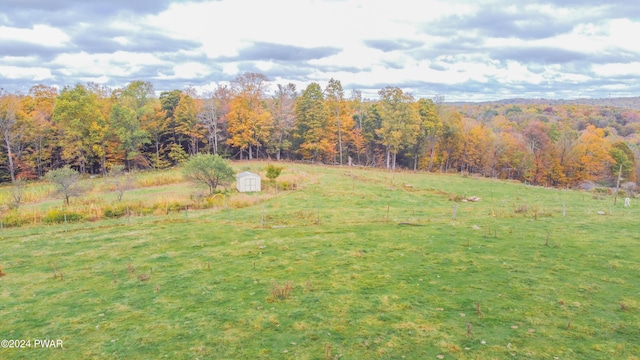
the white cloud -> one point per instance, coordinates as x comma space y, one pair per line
40, 34
231, 69
618, 69
190, 70
27, 73
120, 63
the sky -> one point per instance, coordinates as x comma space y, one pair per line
466, 50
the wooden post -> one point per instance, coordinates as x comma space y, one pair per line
455, 209
387, 212
66, 225
615, 198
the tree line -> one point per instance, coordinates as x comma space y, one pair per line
91, 128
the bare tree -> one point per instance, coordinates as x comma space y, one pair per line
212, 116
120, 180
283, 110
16, 193
66, 180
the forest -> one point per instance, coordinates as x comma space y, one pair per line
91, 128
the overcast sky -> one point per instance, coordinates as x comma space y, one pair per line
464, 49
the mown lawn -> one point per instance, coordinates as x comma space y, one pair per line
383, 265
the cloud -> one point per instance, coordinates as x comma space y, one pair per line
60, 12
537, 54
112, 40
281, 52
392, 45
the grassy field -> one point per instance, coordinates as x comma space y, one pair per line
355, 264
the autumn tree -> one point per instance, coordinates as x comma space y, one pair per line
81, 125
565, 153
538, 144
40, 132
169, 101
312, 120
358, 111
9, 126
248, 126
429, 125
623, 158
399, 122
339, 112
100, 130
187, 126
510, 155
593, 157
131, 105
154, 123
477, 154
249, 122
449, 145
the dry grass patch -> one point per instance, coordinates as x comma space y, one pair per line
281, 291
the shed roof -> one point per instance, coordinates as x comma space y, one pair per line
245, 174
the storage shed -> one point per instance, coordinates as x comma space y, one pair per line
248, 182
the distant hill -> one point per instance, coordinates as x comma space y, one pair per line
621, 102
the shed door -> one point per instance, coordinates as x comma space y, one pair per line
251, 184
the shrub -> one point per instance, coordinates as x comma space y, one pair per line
14, 219
286, 185
273, 172
115, 211
57, 216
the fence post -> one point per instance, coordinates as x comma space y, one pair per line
387, 212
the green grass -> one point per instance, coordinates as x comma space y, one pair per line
379, 267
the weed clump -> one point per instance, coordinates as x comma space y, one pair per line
1, 272
115, 211
57, 216
281, 292
131, 269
